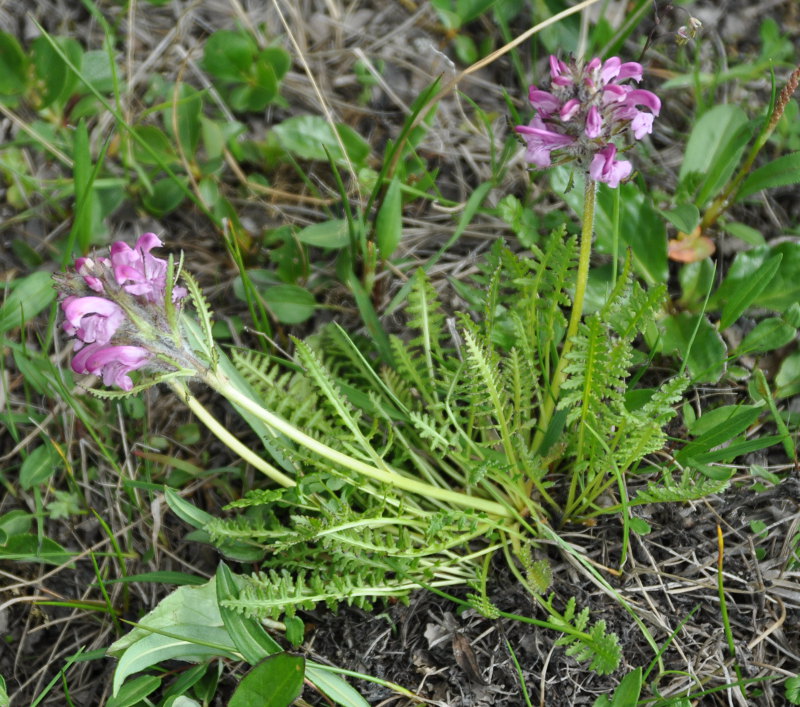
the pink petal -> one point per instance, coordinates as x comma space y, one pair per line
545, 103
75, 308
569, 109
642, 124
604, 168
640, 97
594, 123
630, 70
610, 69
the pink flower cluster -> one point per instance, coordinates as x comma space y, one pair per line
587, 106
130, 276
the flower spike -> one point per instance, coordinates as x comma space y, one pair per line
587, 107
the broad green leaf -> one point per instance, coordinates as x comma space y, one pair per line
96, 70
192, 643
389, 221
742, 296
685, 217
249, 636
714, 149
308, 136
27, 547
15, 522
228, 55
787, 380
629, 689
29, 296
278, 58
784, 288
184, 117
162, 577
38, 467
767, 335
187, 512
135, 691
158, 141
704, 351
712, 419
277, 681
779, 173
791, 689
57, 78
291, 304
166, 196
13, 66
696, 280
326, 234
184, 605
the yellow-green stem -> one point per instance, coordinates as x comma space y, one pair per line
227, 438
384, 475
587, 229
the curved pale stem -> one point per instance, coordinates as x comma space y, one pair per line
227, 438
384, 475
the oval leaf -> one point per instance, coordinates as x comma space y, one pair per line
328, 234
38, 467
276, 681
291, 304
389, 221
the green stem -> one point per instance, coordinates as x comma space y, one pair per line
219, 382
227, 438
587, 229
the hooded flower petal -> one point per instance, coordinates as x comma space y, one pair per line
605, 168
92, 319
610, 69
545, 103
541, 141
594, 123
113, 362
630, 70
136, 270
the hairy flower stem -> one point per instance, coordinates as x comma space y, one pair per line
385, 475
587, 229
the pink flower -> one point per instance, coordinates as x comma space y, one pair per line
605, 168
91, 319
541, 141
136, 270
112, 362
589, 105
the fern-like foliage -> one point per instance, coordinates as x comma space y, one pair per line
460, 408
596, 645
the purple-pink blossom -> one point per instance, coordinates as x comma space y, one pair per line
115, 309
604, 168
91, 319
112, 362
587, 108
